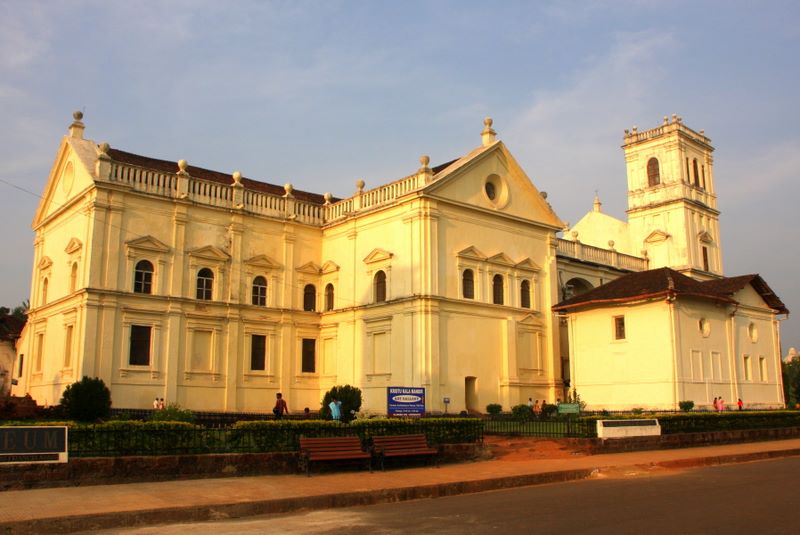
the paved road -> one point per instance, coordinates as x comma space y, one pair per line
758, 497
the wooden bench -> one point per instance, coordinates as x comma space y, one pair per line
402, 446
331, 449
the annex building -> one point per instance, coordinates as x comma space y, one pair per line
217, 291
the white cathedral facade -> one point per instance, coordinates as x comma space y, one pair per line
216, 291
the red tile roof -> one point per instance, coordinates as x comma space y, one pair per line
731, 285
213, 176
663, 283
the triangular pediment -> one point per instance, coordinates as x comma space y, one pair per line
330, 267
500, 258
513, 194
44, 263
147, 243
72, 174
310, 268
472, 252
73, 246
530, 320
378, 255
527, 264
209, 252
657, 236
262, 261
705, 237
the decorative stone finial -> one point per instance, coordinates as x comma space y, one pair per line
288, 188
596, 204
543, 194
182, 165
634, 129
611, 244
360, 186
666, 120
424, 160
488, 135
327, 196
627, 132
674, 117
574, 234
77, 126
702, 131
237, 178
104, 147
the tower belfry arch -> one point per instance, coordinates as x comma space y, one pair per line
672, 204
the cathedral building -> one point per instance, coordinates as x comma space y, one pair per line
217, 291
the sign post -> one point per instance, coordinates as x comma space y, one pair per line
405, 401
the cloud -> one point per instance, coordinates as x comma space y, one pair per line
24, 34
763, 173
587, 117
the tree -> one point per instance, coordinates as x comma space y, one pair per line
87, 400
791, 382
350, 396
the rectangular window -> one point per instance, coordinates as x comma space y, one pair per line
762, 369
68, 346
705, 258
201, 351
21, 367
309, 364
39, 352
619, 327
748, 369
140, 345
258, 352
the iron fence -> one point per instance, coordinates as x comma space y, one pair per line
560, 427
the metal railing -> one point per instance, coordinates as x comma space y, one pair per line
559, 427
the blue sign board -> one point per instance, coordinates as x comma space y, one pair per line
405, 401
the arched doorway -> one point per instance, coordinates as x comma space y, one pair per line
575, 286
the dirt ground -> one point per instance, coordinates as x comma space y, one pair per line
512, 449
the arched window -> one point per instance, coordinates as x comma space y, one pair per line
468, 284
653, 175
44, 291
329, 296
497, 289
73, 277
310, 298
260, 291
525, 294
205, 284
379, 282
696, 173
143, 277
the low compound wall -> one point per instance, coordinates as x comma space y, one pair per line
688, 440
136, 469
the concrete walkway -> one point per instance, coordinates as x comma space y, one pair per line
61, 510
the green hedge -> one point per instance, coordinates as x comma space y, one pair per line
695, 422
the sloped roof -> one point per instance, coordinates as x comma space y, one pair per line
654, 283
207, 174
731, 285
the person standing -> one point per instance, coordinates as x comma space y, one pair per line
740, 403
156, 404
336, 409
280, 407
716, 407
530, 405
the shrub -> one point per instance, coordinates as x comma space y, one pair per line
574, 397
349, 396
522, 412
637, 410
87, 400
494, 408
172, 413
686, 406
548, 410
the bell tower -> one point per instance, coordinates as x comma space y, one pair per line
672, 206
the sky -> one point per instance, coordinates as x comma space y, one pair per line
322, 93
